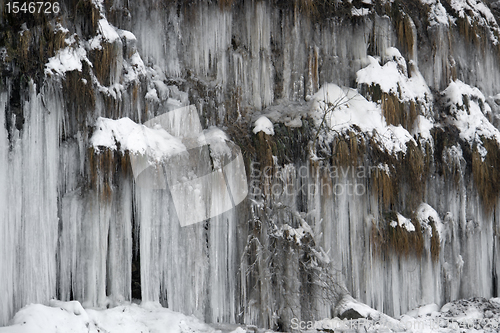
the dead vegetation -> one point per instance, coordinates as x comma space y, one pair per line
397, 112
348, 149
394, 110
435, 243
415, 173
387, 239
225, 4
486, 173
384, 187
80, 99
86, 16
106, 169
102, 60
406, 37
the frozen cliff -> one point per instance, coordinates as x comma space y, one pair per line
369, 132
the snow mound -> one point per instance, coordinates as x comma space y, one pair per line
403, 222
127, 35
37, 318
392, 77
133, 68
471, 315
349, 306
108, 32
437, 13
424, 310
218, 141
263, 124
73, 307
423, 126
129, 136
288, 112
66, 60
427, 215
474, 11
359, 11
407, 84
345, 108
468, 106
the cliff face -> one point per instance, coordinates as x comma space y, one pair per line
378, 178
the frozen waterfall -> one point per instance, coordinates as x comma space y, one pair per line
367, 132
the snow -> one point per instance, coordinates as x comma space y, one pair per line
424, 310
129, 318
161, 89
437, 13
392, 77
423, 126
477, 11
239, 330
109, 34
127, 35
95, 42
152, 96
359, 11
393, 52
170, 260
360, 308
476, 7
108, 31
457, 89
296, 234
59, 27
346, 108
396, 138
467, 316
403, 222
348, 302
72, 306
290, 113
71, 39
217, 140
155, 142
134, 68
263, 124
471, 315
424, 215
66, 60
469, 117
24, 27
214, 135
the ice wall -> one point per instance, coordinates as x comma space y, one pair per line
75, 225
29, 176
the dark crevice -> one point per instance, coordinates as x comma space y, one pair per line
136, 260
14, 117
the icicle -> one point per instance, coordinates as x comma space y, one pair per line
7, 227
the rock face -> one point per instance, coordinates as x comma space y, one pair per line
372, 167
